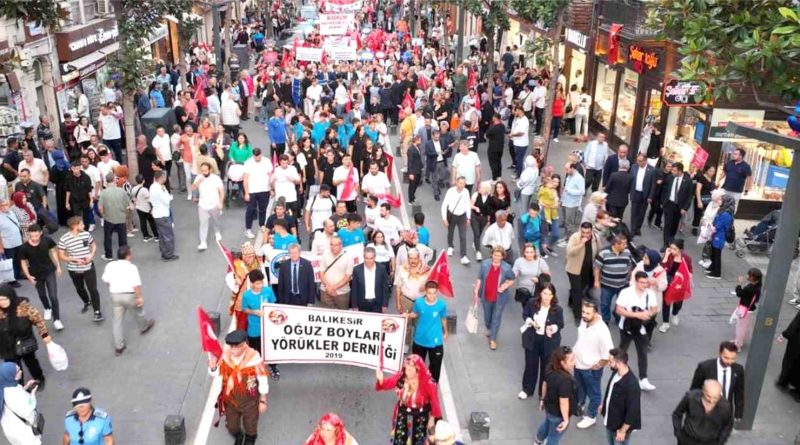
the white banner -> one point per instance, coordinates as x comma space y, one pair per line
274, 257
342, 52
303, 334
335, 24
344, 5
309, 54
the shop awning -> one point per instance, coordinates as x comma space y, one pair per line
89, 59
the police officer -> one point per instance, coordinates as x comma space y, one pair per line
85, 424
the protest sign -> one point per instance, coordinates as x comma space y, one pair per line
343, 5
309, 54
335, 24
304, 334
274, 257
342, 52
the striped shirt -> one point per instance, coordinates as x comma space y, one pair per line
79, 245
614, 268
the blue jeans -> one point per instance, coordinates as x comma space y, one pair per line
493, 314
555, 233
547, 430
607, 295
611, 436
519, 158
588, 381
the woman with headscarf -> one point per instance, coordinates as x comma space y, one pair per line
656, 279
58, 175
17, 406
417, 401
678, 265
242, 267
330, 431
526, 184
17, 342
706, 222
722, 223
24, 211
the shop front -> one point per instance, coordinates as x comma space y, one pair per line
574, 63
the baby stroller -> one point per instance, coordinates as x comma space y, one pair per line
760, 237
234, 186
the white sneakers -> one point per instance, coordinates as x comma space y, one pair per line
663, 328
48, 314
218, 236
478, 256
249, 234
586, 422
58, 325
202, 246
449, 251
464, 260
522, 395
704, 263
645, 385
675, 320
91, 227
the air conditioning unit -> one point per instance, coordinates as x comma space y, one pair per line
102, 7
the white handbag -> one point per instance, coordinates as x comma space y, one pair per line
472, 319
6, 269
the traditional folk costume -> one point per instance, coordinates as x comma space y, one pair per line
241, 268
340, 435
414, 405
244, 382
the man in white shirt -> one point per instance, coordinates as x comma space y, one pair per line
106, 165
636, 306
313, 95
37, 167
256, 183
319, 208
162, 145
389, 224
456, 211
110, 130
467, 165
375, 182
230, 113
125, 287
372, 212
210, 202
340, 175
214, 107
322, 239
526, 98
520, 127
539, 100
594, 158
591, 355
341, 97
285, 179
501, 233
160, 199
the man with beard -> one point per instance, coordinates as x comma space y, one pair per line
621, 404
591, 356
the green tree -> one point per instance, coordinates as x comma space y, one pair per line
735, 44
552, 15
494, 20
45, 13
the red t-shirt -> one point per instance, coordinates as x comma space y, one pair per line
492, 283
558, 107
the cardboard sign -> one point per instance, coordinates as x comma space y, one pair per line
700, 157
309, 54
335, 24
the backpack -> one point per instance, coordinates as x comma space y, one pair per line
314, 199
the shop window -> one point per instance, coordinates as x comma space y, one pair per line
604, 95
75, 16
685, 127
626, 106
90, 9
37, 70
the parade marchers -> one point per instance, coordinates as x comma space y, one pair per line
330, 164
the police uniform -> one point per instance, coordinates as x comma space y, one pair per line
93, 431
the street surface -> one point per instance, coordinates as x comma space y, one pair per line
165, 372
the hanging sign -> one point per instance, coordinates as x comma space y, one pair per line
721, 116
343, 5
642, 59
683, 93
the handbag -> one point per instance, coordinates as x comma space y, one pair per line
6, 269
472, 319
37, 426
522, 295
25, 346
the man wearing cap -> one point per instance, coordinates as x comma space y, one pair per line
244, 387
85, 424
444, 434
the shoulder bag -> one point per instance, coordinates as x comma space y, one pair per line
25, 346
37, 426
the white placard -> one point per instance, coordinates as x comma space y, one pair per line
303, 334
335, 24
344, 5
309, 54
342, 52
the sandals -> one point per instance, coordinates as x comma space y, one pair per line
492, 345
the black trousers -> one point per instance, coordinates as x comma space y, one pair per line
535, 363
412, 187
146, 219
86, 286
511, 151
656, 211
640, 341
674, 308
109, 229
672, 220
593, 178
577, 288
47, 289
459, 221
538, 113
436, 357
715, 268
616, 211
495, 163
257, 206
638, 210
33, 365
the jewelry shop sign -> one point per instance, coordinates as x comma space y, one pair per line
303, 334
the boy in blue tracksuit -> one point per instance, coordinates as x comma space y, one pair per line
534, 229
277, 131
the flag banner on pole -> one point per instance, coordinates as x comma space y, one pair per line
208, 340
349, 188
440, 273
304, 334
227, 254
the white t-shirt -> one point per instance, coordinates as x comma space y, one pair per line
390, 226
614, 381
584, 101
111, 127
94, 174
628, 299
539, 96
320, 209
38, 170
465, 165
370, 215
209, 191
520, 125
163, 147
230, 112
592, 345
340, 174
377, 184
106, 168
258, 174
509, 96
284, 187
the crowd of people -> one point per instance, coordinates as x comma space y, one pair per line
327, 181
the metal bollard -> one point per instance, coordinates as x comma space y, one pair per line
452, 323
174, 430
214, 317
479, 425
405, 177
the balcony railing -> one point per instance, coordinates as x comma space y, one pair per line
631, 13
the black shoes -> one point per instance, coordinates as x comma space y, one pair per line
98, 317
147, 328
86, 307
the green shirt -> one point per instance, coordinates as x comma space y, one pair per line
240, 154
114, 202
460, 83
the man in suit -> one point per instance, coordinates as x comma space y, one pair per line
612, 163
369, 289
642, 189
622, 402
656, 210
727, 372
437, 154
414, 169
296, 284
676, 197
618, 188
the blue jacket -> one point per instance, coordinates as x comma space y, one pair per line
345, 133
276, 127
722, 222
506, 274
318, 132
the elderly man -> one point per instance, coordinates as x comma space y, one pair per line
703, 416
10, 238
370, 286
37, 168
322, 240
296, 284
409, 282
336, 269
113, 205
411, 241
35, 193
500, 234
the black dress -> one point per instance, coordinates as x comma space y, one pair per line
790, 368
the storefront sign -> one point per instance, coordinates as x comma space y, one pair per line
642, 59
576, 38
721, 117
71, 45
700, 157
335, 24
300, 334
309, 54
683, 93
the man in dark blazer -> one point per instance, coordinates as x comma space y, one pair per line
436, 168
622, 401
727, 372
296, 285
414, 168
618, 188
643, 181
676, 197
363, 299
612, 163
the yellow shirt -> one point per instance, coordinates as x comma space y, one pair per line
549, 200
407, 127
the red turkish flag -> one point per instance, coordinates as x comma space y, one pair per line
208, 340
349, 188
441, 274
389, 158
393, 201
227, 254
613, 43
